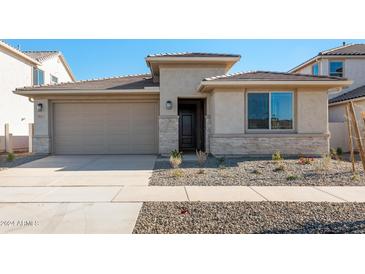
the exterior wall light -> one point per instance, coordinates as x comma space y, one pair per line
168, 105
39, 107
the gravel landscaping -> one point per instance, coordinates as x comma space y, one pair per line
248, 172
250, 217
20, 159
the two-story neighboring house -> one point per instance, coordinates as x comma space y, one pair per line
345, 61
24, 68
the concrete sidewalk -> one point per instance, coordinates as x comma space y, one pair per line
241, 193
126, 194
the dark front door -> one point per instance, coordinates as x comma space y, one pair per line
191, 125
187, 130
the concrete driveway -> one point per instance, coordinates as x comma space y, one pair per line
72, 194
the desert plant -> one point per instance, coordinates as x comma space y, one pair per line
355, 177
277, 156
333, 154
292, 178
175, 159
177, 173
221, 162
201, 171
339, 152
201, 157
305, 161
324, 163
279, 168
10, 157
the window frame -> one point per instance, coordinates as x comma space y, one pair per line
35, 69
51, 79
270, 130
338, 61
315, 64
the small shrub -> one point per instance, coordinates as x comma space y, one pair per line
279, 168
10, 157
201, 157
221, 162
355, 177
339, 151
333, 154
305, 161
201, 171
175, 159
292, 178
324, 163
277, 156
177, 173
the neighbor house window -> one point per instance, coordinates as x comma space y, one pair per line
54, 79
38, 76
336, 68
270, 110
315, 69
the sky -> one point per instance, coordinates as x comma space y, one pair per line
91, 59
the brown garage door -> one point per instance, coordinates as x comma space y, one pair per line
105, 128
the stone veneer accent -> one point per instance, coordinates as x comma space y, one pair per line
168, 133
208, 126
41, 144
259, 144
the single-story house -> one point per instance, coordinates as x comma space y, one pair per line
188, 102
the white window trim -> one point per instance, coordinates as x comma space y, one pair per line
269, 130
343, 67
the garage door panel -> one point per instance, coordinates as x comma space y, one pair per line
105, 128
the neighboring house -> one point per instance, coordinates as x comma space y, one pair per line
25, 68
346, 61
188, 102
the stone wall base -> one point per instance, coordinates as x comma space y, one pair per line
41, 145
168, 134
294, 144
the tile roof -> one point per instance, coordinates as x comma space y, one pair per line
193, 54
138, 81
271, 76
41, 55
350, 49
352, 94
345, 50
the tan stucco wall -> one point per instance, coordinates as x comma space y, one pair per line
183, 81
228, 134
227, 111
312, 111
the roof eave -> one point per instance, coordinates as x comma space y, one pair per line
69, 71
19, 53
40, 92
206, 86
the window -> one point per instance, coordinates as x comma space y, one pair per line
38, 76
336, 68
54, 79
270, 110
315, 69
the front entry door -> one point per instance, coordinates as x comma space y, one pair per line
187, 127
191, 124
